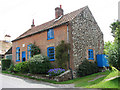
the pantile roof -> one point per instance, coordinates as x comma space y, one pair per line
53, 23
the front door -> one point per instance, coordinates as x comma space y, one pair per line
23, 56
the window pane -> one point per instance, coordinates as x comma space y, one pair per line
51, 52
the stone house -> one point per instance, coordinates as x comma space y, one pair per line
78, 28
5, 45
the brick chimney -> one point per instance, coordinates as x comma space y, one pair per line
58, 12
33, 25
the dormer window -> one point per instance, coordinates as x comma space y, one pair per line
50, 34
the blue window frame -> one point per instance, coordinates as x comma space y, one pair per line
17, 54
28, 52
51, 53
90, 54
50, 34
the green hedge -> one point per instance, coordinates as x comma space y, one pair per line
5, 63
86, 68
39, 64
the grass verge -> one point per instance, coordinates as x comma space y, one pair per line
86, 81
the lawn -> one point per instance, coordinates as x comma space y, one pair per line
100, 82
96, 80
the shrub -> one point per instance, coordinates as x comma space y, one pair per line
61, 54
56, 71
86, 68
5, 64
11, 69
21, 67
39, 64
35, 50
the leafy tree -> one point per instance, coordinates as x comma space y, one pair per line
35, 50
114, 52
62, 54
113, 55
106, 47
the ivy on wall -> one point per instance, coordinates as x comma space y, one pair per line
61, 54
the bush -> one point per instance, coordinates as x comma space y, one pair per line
86, 68
39, 64
5, 64
56, 71
21, 67
11, 69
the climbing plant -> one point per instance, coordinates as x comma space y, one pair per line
35, 50
61, 54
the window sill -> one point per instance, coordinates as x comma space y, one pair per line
52, 59
17, 60
50, 38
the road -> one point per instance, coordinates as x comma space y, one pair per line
14, 82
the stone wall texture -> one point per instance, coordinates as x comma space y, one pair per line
86, 34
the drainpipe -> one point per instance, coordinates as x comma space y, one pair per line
69, 51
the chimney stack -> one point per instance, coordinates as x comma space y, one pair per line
58, 12
33, 25
7, 38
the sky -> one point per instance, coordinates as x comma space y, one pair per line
16, 15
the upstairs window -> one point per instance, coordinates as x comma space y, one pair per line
90, 54
50, 34
28, 52
17, 54
51, 53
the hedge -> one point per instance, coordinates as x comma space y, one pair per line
5, 63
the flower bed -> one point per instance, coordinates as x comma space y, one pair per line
55, 71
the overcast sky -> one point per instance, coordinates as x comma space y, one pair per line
16, 15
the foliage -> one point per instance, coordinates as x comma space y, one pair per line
21, 67
56, 71
35, 50
62, 54
5, 64
107, 47
39, 64
11, 69
115, 26
113, 55
86, 68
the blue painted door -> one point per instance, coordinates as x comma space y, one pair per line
23, 56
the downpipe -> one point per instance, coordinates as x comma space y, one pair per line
69, 52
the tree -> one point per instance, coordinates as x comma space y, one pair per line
106, 47
62, 54
115, 49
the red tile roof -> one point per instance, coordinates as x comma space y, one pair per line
65, 18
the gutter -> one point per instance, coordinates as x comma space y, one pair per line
69, 52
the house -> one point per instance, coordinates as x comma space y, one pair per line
78, 28
5, 45
8, 54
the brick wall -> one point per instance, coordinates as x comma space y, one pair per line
40, 39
